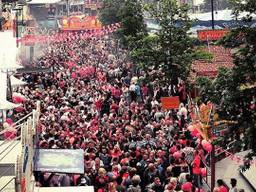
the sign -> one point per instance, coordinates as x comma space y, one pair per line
170, 102
60, 160
78, 23
211, 35
94, 5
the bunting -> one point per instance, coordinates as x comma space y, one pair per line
69, 36
237, 159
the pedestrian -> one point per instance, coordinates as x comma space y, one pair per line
233, 183
221, 186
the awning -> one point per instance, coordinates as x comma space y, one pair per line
5, 105
17, 82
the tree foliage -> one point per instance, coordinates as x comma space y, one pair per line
234, 91
109, 13
170, 49
129, 14
133, 25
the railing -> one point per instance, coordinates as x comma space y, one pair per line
17, 123
7, 183
25, 164
24, 169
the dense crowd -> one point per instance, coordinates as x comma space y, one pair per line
95, 101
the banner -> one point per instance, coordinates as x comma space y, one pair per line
211, 35
80, 23
170, 102
69, 36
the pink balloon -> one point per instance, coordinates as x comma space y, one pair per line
204, 172
204, 142
191, 128
194, 132
206, 145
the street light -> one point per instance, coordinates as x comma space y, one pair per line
212, 7
18, 22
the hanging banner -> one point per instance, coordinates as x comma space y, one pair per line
212, 35
80, 23
69, 36
170, 102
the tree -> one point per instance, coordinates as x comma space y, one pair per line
109, 12
133, 25
145, 52
129, 14
174, 46
234, 91
244, 71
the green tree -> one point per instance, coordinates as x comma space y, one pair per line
109, 12
129, 14
174, 46
243, 92
233, 91
145, 52
133, 25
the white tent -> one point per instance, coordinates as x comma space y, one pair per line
6, 105
16, 82
222, 15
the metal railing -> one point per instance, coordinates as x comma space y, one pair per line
7, 184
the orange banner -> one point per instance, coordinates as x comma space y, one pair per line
78, 23
170, 102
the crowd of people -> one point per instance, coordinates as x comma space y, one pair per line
95, 101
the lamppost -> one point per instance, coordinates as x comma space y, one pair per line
18, 22
212, 9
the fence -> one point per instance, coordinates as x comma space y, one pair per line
25, 164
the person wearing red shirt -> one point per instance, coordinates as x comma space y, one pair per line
196, 169
221, 186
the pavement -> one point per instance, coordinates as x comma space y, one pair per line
227, 168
